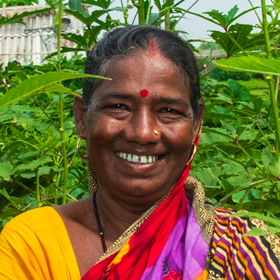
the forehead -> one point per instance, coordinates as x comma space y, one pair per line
156, 74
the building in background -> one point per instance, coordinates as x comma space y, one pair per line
37, 39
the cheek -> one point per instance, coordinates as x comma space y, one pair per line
181, 136
102, 129
180, 141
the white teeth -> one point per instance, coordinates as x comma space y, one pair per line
143, 159
135, 158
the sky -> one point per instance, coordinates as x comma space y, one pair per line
197, 27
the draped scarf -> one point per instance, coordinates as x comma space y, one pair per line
165, 243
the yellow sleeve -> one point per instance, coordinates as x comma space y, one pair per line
36, 245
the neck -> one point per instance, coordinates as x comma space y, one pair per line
116, 216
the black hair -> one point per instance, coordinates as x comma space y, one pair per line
126, 41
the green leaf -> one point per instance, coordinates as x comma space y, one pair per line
9, 212
88, 20
250, 186
218, 131
60, 88
28, 174
38, 83
33, 164
18, 18
44, 170
262, 217
230, 21
256, 232
168, 3
77, 6
105, 4
238, 91
57, 169
76, 38
267, 157
221, 18
251, 64
239, 33
6, 170
66, 50
158, 4
23, 108
227, 186
4, 193
52, 3
275, 169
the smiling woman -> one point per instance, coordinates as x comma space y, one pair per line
147, 218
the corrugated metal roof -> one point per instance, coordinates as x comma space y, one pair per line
37, 39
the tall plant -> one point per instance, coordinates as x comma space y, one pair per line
260, 168
31, 160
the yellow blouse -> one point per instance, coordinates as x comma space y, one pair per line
36, 245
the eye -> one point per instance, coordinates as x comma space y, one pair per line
118, 106
170, 111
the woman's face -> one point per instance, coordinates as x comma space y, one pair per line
130, 160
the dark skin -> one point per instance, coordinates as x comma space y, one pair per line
120, 120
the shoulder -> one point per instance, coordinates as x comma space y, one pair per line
36, 245
235, 254
34, 220
31, 231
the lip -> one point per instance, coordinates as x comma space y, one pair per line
142, 158
137, 167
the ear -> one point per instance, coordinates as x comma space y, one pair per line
198, 120
80, 117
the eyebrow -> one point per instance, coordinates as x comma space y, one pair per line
123, 96
170, 101
159, 99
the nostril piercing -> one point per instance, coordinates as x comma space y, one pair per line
155, 132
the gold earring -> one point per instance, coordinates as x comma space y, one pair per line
155, 132
83, 159
193, 154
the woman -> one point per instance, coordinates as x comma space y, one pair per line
147, 219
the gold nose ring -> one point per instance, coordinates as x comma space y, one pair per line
155, 132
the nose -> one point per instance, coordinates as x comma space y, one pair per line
142, 127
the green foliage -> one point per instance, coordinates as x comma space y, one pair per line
251, 64
209, 46
48, 82
237, 38
223, 19
222, 75
18, 2
273, 229
236, 160
18, 18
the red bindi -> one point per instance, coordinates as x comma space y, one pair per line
144, 93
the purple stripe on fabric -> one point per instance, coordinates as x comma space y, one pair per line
264, 254
185, 251
238, 239
251, 265
229, 265
232, 252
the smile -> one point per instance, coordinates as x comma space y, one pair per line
137, 158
